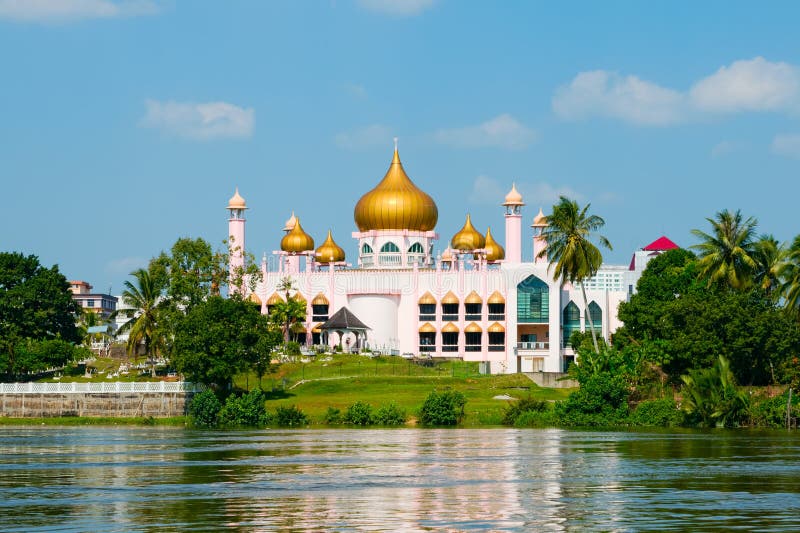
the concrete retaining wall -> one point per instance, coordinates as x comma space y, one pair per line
551, 380
159, 404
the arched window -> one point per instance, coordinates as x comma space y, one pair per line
416, 248
571, 321
597, 318
390, 247
533, 301
366, 249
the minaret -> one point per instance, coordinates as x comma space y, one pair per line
236, 207
539, 242
513, 204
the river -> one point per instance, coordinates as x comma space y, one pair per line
167, 479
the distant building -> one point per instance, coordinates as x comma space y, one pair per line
102, 304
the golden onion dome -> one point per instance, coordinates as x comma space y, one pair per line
513, 197
290, 223
330, 252
236, 201
539, 220
254, 299
297, 240
468, 238
396, 203
494, 252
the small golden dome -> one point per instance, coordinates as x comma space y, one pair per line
494, 252
320, 299
450, 328
496, 328
513, 197
468, 238
290, 223
236, 201
427, 298
329, 252
450, 298
275, 299
427, 327
298, 297
396, 203
473, 328
473, 298
496, 298
254, 299
539, 220
297, 240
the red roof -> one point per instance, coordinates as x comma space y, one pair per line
661, 244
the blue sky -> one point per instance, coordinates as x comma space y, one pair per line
127, 124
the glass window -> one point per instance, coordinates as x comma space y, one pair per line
416, 248
366, 249
390, 247
571, 321
533, 301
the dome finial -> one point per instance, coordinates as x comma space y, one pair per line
236, 201
513, 198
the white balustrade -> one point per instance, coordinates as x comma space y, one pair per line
100, 387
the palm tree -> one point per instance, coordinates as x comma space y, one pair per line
144, 309
770, 256
790, 275
726, 255
568, 245
287, 314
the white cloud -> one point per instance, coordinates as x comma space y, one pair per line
749, 85
205, 121
55, 11
366, 137
503, 131
402, 8
787, 144
489, 191
607, 94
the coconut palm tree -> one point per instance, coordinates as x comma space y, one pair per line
726, 254
790, 276
770, 256
144, 302
569, 247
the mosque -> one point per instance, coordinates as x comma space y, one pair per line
477, 301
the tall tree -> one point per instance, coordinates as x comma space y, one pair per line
286, 314
144, 300
769, 256
726, 254
790, 276
568, 237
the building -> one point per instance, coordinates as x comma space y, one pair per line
102, 304
478, 300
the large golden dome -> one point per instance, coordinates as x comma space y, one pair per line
297, 240
468, 238
396, 203
329, 251
494, 252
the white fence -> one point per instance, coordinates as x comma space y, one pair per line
100, 387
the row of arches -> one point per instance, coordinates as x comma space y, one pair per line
451, 307
391, 247
472, 337
571, 320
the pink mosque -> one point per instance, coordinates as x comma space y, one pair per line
477, 301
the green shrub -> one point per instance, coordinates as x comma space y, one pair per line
601, 401
290, 416
246, 410
292, 348
333, 416
661, 413
358, 414
442, 409
516, 408
204, 409
390, 415
771, 412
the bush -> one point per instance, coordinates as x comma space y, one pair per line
333, 416
515, 409
602, 401
292, 348
661, 413
771, 412
442, 409
359, 414
536, 419
204, 409
245, 411
390, 415
290, 416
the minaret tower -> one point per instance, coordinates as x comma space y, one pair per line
539, 242
513, 204
236, 207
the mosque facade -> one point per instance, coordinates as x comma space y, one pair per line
477, 301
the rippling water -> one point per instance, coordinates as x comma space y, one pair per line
152, 479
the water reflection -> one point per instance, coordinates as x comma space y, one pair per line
122, 479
